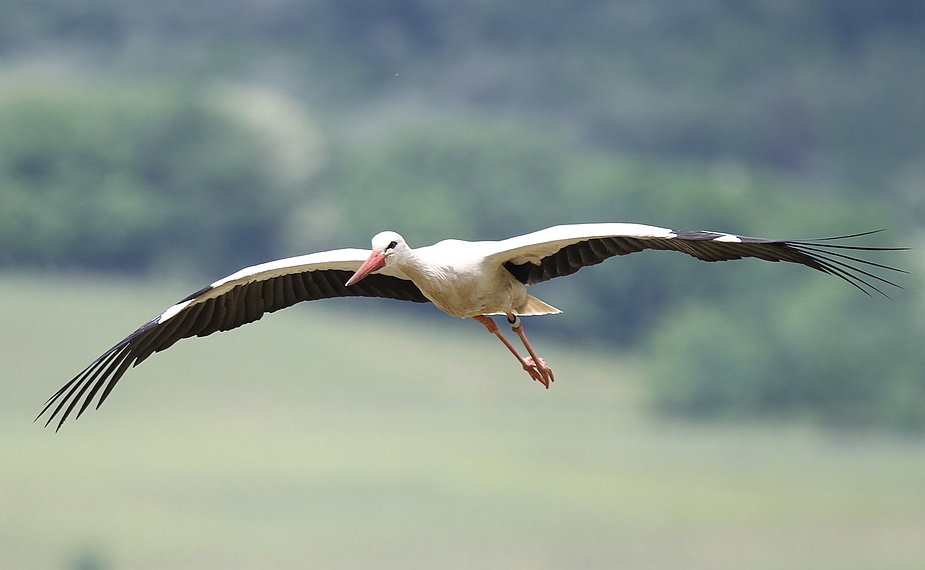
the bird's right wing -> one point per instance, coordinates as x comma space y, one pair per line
238, 299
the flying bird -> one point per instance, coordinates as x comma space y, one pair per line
462, 278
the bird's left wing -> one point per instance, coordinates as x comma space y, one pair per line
238, 299
563, 250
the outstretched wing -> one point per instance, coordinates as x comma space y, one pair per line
563, 250
228, 303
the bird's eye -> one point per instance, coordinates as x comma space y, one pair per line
392, 245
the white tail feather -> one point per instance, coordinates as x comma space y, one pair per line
534, 306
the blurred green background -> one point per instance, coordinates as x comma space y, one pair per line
738, 415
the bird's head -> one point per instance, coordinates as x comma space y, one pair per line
387, 246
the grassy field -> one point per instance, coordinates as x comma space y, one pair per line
324, 439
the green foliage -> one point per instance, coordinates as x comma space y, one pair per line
828, 89
817, 352
108, 176
467, 179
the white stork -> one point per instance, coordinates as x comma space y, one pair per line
463, 279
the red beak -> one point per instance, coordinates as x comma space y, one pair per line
375, 262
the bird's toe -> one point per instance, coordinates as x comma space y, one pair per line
539, 371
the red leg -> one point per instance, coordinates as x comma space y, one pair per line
528, 363
538, 363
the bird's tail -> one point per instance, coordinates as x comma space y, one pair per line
534, 306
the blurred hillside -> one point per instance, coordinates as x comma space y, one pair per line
195, 138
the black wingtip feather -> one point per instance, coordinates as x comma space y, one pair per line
848, 267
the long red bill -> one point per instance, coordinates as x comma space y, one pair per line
375, 262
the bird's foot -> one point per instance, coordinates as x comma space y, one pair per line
539, 371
